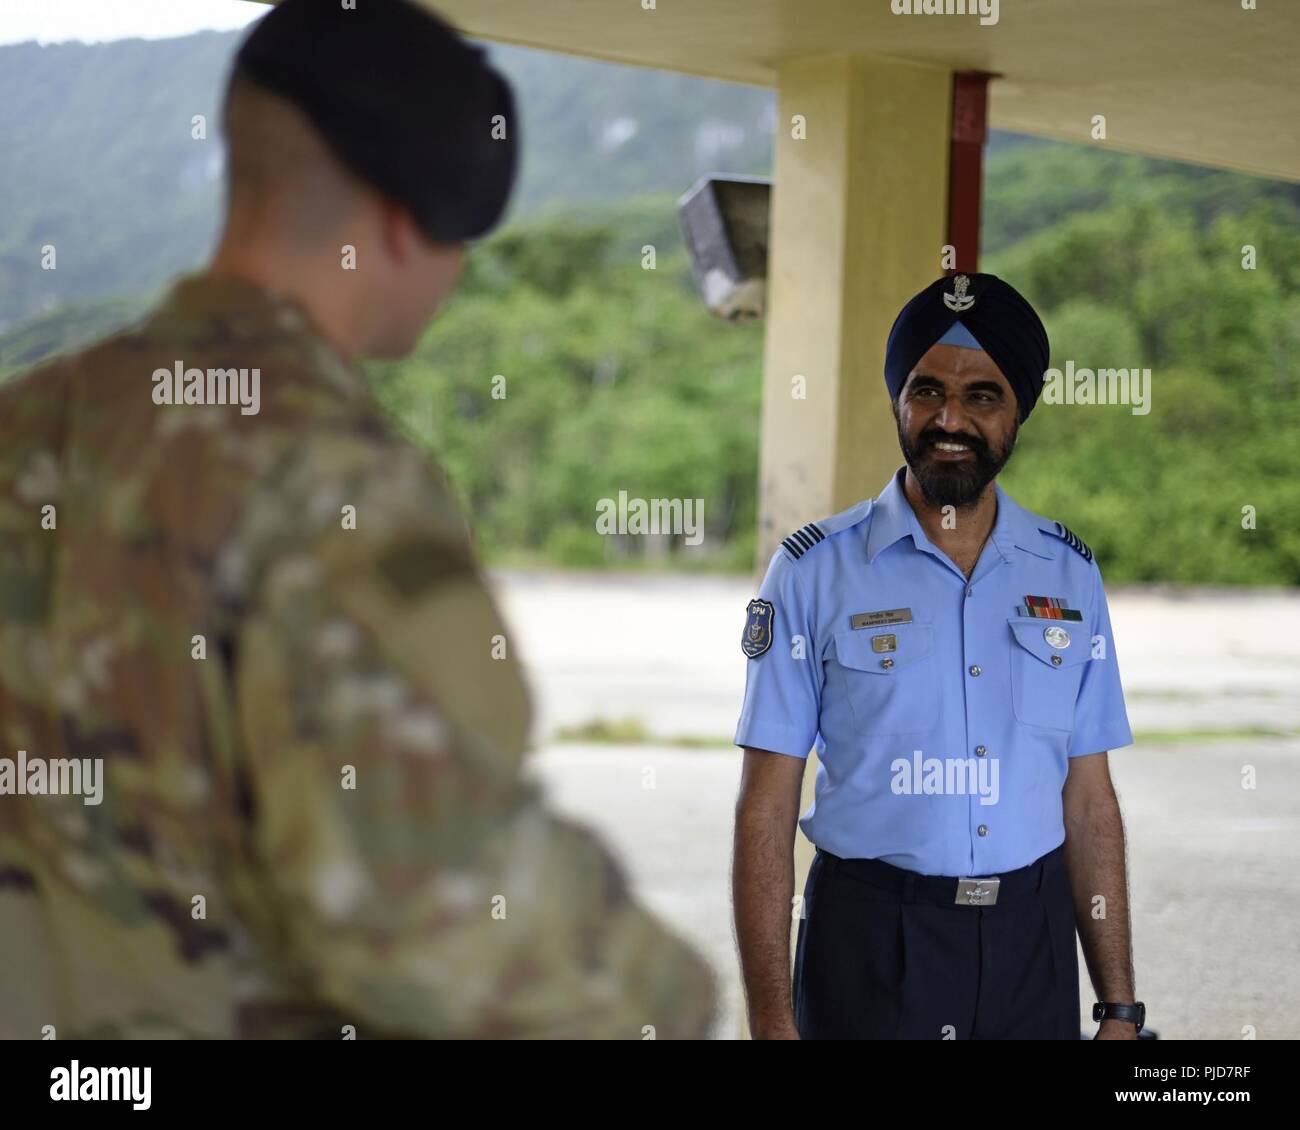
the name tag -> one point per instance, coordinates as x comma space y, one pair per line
880, 619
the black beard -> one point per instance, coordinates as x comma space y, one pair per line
953, 484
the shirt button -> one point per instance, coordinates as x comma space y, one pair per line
970, 592
983, 829
980, 750
975, 671
886, 663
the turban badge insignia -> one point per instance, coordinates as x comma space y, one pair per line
959, 300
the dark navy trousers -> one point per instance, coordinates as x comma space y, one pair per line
887, 954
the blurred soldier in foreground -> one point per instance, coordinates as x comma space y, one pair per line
260, 728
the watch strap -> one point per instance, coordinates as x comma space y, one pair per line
1114, 1010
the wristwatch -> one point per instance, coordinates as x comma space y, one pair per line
1109, 1010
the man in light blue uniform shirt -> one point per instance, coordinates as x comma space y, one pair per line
949, 655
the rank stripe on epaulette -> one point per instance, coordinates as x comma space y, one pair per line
1074, 541
802, 540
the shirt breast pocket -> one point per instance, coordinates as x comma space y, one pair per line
1047, 665
889, 678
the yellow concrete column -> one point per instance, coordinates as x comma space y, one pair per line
859, 219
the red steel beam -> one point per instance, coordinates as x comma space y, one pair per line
966, 164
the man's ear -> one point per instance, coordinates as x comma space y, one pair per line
398, 231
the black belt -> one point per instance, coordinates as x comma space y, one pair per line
946, 890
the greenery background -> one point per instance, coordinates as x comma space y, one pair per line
618, 380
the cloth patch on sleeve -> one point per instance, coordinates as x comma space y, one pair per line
757, 637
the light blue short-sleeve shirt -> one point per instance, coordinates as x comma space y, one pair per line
943, 717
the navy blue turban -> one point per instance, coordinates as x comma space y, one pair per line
403, 101
979, 312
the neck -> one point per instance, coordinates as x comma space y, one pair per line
960, 534
309, 283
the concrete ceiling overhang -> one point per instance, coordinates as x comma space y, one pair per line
1205, 81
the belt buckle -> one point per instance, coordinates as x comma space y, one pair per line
977, 892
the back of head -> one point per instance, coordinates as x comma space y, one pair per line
391, 93
281, 175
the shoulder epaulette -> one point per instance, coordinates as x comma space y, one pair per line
802, 540
1074, 541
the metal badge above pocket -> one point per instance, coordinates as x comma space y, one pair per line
881, 619
1057, 637
1053, 643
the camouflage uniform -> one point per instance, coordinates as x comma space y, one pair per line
437, 897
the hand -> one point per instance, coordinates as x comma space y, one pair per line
1117, 1030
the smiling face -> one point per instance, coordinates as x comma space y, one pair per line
957, 421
